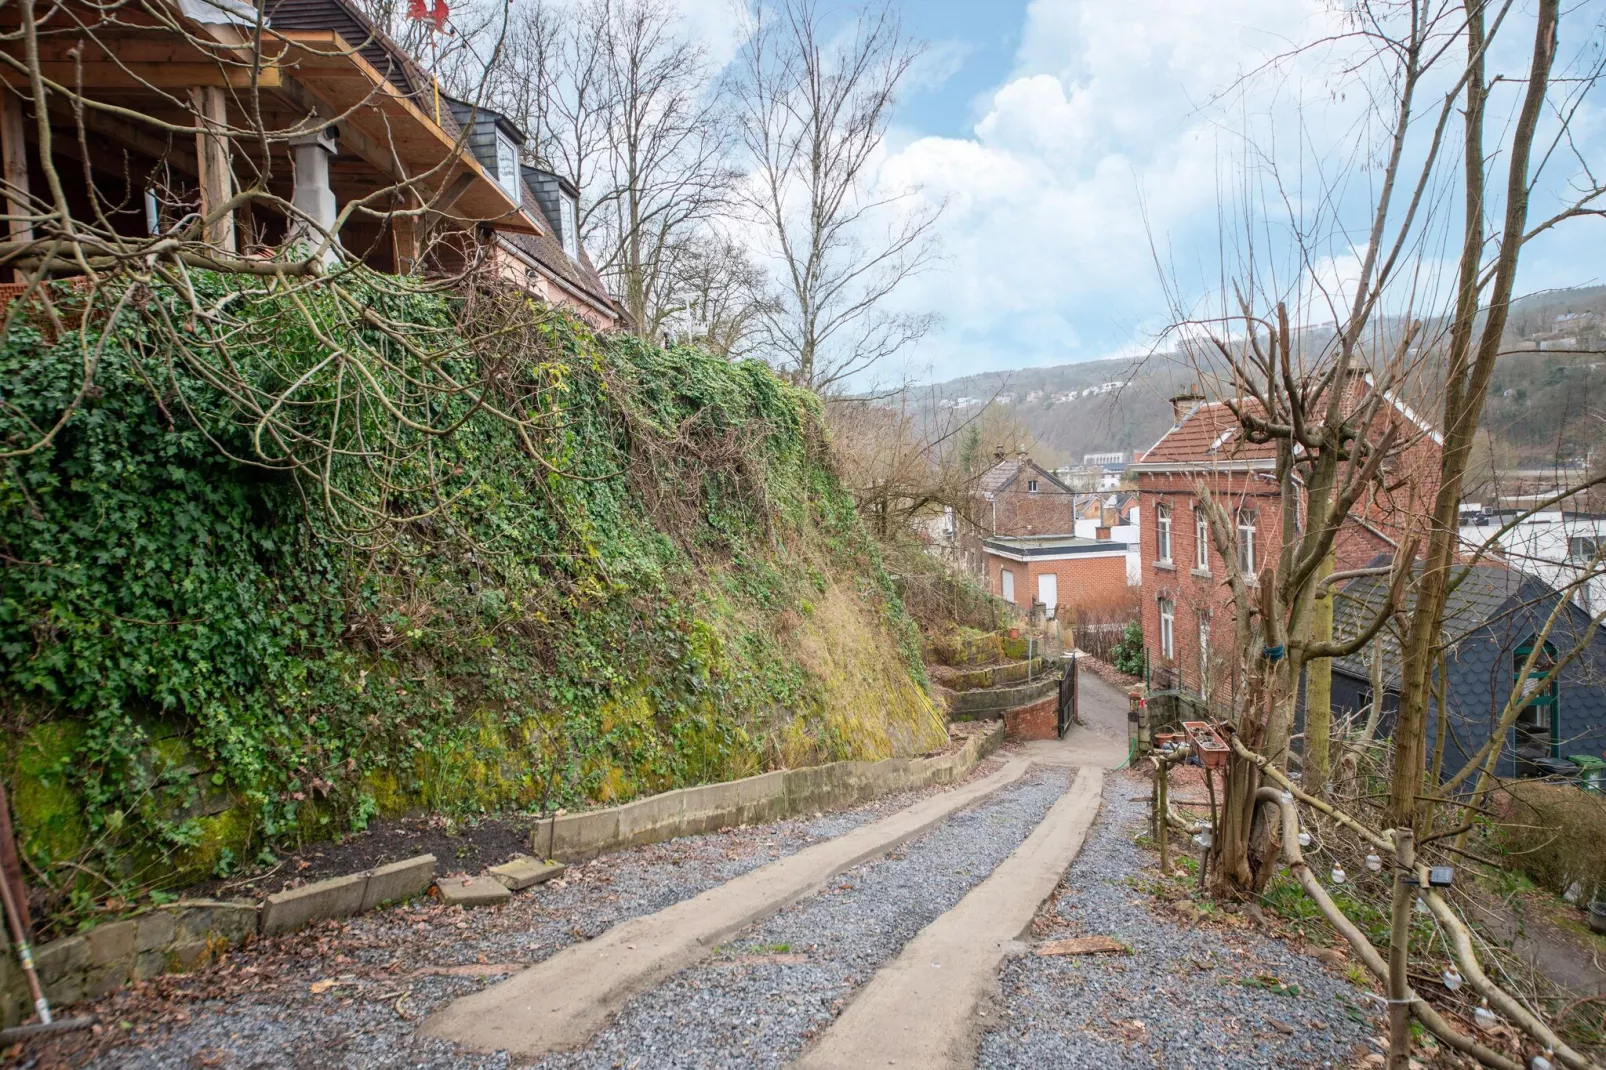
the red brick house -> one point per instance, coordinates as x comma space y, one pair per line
1056, 570
1021, 497
1187, 611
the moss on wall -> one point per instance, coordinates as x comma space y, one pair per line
198, 674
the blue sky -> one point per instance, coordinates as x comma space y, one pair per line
1084, 150
1089, 155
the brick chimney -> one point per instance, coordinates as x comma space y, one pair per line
1185, 402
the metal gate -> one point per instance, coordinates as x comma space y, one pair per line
1067, 707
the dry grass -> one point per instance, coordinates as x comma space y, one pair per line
1554, 833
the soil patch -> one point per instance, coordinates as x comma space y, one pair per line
466, 846
459, 847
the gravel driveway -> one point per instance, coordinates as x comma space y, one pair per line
759, 999
349, 994
1185, 997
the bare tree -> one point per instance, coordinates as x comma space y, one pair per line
814, 105
721, 292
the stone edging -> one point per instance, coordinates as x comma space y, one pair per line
188, 934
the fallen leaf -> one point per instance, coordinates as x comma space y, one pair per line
318, 988
1083, 945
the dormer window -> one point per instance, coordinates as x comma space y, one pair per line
1031, 486
571, 227
507, 166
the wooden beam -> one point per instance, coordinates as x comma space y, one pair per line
14, 150
212, 150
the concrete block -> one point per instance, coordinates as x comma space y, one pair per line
805, 790
188, 955
112, 942
213, 919
59, 958
541, 838
156, 929
708, 808
577, 837
472, 891
523, 871
760, 798
108, 979
337, 897
650, 820
67, 988
148, 964
398, 881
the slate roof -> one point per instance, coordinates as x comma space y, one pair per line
1001, 475
1480, 600
547, 251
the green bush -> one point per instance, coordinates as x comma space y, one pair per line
1128, 655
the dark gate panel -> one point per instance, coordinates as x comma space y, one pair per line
1067, 706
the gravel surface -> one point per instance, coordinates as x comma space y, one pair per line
758, 1000
1187, 996
349, 994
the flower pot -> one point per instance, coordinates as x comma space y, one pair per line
1597, 916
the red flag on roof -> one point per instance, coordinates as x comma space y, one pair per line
438, 13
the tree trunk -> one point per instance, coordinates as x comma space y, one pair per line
1319, 689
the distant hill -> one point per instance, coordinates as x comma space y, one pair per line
1547, 397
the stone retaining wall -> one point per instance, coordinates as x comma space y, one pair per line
187, 935
972, 705
767, 797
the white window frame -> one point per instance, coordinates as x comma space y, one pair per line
1168, 628
1246, 541
1201, 539
1162, 533
507, 166
1204, 656
571, 227
1006, 585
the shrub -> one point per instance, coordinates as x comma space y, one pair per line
1128, 654
1553, 832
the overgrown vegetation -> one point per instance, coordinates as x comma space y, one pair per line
649, 577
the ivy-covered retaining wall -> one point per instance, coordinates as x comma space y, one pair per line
200, 665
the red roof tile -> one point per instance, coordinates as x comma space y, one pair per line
1209, 434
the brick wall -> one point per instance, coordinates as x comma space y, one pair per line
1199, 594
1081, 580
1020, 512
1037, 721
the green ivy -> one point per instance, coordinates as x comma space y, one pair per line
195, 672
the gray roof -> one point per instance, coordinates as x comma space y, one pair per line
1480, 599
1001, 475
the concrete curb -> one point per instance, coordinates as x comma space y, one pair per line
558, 1003
755, 799
185, 935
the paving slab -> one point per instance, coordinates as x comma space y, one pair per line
524, 871
921, 1009
472, 891
559, 1003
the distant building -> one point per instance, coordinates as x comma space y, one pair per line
1562, 549
1055, 570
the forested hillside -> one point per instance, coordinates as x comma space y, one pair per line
1540, 397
